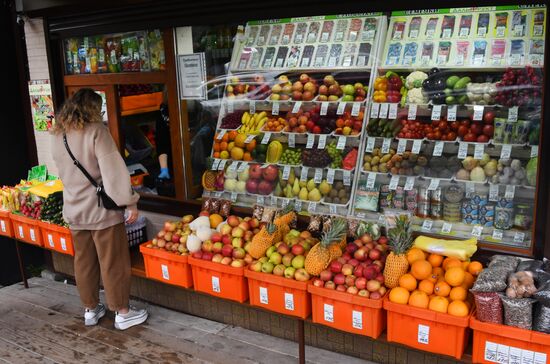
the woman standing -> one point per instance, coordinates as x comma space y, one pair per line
99, 235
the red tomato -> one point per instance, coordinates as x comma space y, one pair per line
430, 136
482, 139
437, 135
489, 118
462, 130
455, 125
470, 137
465, 122
443, 125
408, 135
451, 136
488, 130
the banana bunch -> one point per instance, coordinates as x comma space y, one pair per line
252, 124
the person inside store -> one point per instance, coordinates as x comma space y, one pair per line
93, 172
162, 139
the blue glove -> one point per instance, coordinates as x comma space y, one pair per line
164, 173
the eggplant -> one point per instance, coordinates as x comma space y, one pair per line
433, 71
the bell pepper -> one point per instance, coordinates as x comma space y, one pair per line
394, 81
379, 96
348, 163
380, 84
393, 96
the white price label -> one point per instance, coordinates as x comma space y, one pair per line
242, 167
381, 220
286, 172
481, 31
464, 32
409, 184
384, 108
341, 108
264, 299
493, 192
411, 114
417, 144
296, 107
275, 108
519, 237
534, 151
298, 205
332, 209
310, 141
479, 150
370, 145
252, 107
434, 184
328, 312
233, 167
222, 164
305, 62
374, 110
63, 244
362, 61
50, 240
361, 215
513, 114
407, 60
325, 36
506, 151
451, 112
355, 108
503, 352
401, 146
510, 192
386, 143
477, 230
330, 176
279, 62
260, 200
289, 301
515, 356
540, 358
285, 202
324, 108
357, 320
436, 112
318, 177
394, 182
322, 141
33, 236
441, 59
266, 138
470, 189
332, 61
233, 196
447, 33
3, 225
425, 60
462, 150
397, 35
446, 228
291, 140
165, 272
427, 225
221, 134
347, 178
479, 59
423, 334
303, 174
438, 149
311, 207
273, 200
392, 112
528, 357
341, 144
490, 352
371, 180
478, 112
413, 34
497, 234
215, 164
216, 284
501, 31
230, 107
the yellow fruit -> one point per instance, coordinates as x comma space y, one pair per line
224, 154
274, 152
454, 276
215, 220
414, 254
239, 140
237, 153
230, 146
399, 295
421, 269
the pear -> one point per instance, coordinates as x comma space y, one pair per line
288, 192
278, 190
296, 188
314, 195
303, 184
324, 188
291, 176
303, 195
311, 185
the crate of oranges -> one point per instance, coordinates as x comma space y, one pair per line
234, 145
430, 308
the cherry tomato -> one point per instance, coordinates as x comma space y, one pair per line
455, 125
437, 135
443, 125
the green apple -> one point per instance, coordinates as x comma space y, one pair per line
263, 260
270, 251
289, 272
256, 266
348, 90
298, 261
275, 258
267, 267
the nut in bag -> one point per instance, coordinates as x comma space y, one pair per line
488, 307
518, 312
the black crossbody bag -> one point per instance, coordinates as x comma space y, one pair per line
102, 197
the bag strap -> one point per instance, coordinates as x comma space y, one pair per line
79, 166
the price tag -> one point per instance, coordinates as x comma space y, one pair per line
325, 36
478, 112
296, 107
401, 146
285, 202
409, 184
386, 145
392, 112
328, 312
50, 240
482, 31
275, 108
374, 110
341, 144
332, 61
446, 228
413, 34
289, 301
493, 192
215, 164
264, 299
479, 59
216, 284
463, 32
427, 225
497, 234
355, 108
362, 61
266, 138
222, 164
310, 141
322, 141
447, 33
534, 151
490, 352
332, 209
411, 115
233, 196
3, 225
286, 172
477, 230
311, 207
436, 112
540, 358
291, 140
506, 151
305, 62
273, 200
330, 176
425, 60
417, 144
434, 184
462, 150
341, 108
242, 167
33, 236
63, 244
407, 60
252, 107
371, 179
397, 35
441, 59
347, 178
384, 108
221, 134
361, 215
357, 319
324, 108
318, 177
303, 174
515, 355
519, 237
510, 191
470, 189
233, 167
501, 31
479, 150
451, 112
165, 272
423, 334
503, 352
230, 107
438, 149
459, 59
513, 114
298, 205
370, 145
260, 200
394, 182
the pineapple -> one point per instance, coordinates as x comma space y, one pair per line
287, 217
322, 253
400, 241
265, 238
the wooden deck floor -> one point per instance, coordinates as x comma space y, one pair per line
43, 324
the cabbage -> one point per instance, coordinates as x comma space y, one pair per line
531, 171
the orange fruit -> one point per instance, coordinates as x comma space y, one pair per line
442, 289
215, 220
468, 280
438, 304
247, 157
239, 140
408, 282
437, 272
458, 294
216, 147
216, 155
426, 286
455, 276
458, 308
451, 262
232, 135
399, 295
250, 146
421, 269
419, 299
415, 254
475, 268
225, 138
465, 265
237, 153
223, 146
435, 260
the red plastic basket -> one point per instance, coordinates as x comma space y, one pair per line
6, 228
166, 267
57, 238
26, 229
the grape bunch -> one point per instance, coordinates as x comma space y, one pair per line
335, 155
316, 158
291, 156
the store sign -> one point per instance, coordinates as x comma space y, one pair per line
192, 76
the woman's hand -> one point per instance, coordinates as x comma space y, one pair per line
132, 214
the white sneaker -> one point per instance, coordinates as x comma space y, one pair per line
132, 318
91, 317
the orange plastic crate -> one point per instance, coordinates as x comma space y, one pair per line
166, 267
219, 280
278, 294
57, 238
427, 330
347, 312
506, 344
26, 229
134, 102
6, 228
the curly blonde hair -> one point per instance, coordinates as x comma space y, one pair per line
81, 108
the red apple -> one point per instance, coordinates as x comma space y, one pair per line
207, 255
363, 293
339, 279
270, 173
347, 269
244, 225
360, 254
341, 288
239, 253
380, 278
366, 238
489, 117
304, 78
358, 271
226, 260
336, 266
207, 246
176, 239
350, 280
351, 248
344, 258
373, 285
383, 290
233, 221
252, 185
226, 239
217, 258
169, 226
361, 283
352, 290
297, 249
369, 245
227, 251
375, 254
330, 285
375, 295
383, 240
248, 235
369, 272
265, 188
325, 275
217, 247
353, 262
237, 263
216, 237
318, 282
254, 223
283, 249
226, 229
197, 255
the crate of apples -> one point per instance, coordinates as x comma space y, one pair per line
349, 125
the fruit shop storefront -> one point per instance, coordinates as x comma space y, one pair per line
365, 178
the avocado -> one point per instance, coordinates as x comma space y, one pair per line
451, 81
